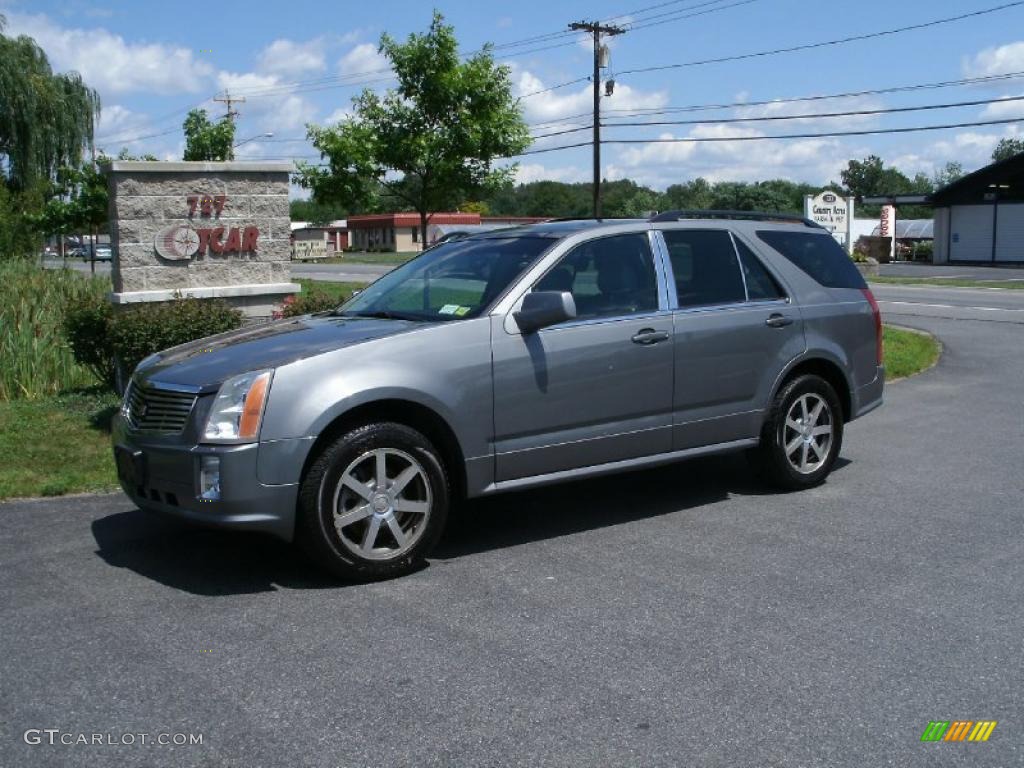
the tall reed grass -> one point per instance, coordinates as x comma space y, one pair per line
35, 360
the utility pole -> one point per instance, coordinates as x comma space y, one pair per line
228, 99
596, 29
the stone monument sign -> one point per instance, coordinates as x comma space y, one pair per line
201, 230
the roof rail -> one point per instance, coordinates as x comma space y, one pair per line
787, 218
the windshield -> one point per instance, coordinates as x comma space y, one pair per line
452, 281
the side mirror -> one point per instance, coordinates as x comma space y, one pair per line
543, 308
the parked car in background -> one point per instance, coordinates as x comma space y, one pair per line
507, 360
87, 252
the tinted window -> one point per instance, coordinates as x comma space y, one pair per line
705, 267
761, 286
450, 282
819, 255
609, 276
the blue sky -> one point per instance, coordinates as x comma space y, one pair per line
296, 63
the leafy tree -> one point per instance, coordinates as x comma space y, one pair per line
46, 119
205, 140
689, 196
430, 142
315, 212
949, 173
1007, 148
475, 206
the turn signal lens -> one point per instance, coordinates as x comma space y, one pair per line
249, 426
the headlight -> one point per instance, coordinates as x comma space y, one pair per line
236, 413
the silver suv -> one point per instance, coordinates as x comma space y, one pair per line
508, 360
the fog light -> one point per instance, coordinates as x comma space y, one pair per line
209, 478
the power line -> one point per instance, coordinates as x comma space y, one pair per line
826, 43
555, 87
852, 113
851, 94
829, 134
677, 15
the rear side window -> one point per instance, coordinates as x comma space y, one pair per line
704, 266
819, 255
761, 286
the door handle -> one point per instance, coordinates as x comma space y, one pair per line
778, 321
650, 336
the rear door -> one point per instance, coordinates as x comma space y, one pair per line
595, 389
735, 330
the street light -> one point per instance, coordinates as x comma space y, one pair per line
267, 135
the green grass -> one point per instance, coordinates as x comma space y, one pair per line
907, 352
37, 361
1010, 285
339, 291
362, 257
57, 445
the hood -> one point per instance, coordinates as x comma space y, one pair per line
206, 363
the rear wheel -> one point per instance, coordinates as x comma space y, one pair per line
374, 502
803, 434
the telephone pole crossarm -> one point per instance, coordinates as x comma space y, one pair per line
596, 29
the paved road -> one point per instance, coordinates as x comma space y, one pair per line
682, 616
905, 269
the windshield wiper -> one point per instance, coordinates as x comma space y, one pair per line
381, 314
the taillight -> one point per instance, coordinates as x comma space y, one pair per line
878, 322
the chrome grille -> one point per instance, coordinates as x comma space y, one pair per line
162, 411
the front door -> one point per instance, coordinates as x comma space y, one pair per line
595, 389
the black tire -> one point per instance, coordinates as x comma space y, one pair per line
771, 456
322, 492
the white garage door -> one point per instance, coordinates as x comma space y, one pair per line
971, 233
1010, 233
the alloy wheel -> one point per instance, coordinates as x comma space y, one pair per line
808, 433
381, 504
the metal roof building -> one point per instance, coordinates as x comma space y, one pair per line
979, 219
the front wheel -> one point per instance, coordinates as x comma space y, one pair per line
803, 434
373, 503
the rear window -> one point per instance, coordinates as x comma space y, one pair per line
820, 256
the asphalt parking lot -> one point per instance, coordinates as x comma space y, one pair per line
680, 616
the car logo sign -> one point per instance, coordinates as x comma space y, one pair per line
176, 243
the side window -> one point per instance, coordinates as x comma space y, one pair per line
607, 277
705, 267
761, 286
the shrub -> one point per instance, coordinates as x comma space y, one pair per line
37, 361
308, 302
87, 329
107, 341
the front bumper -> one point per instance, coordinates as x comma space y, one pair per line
168, 482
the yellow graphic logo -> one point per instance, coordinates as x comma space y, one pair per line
958, 730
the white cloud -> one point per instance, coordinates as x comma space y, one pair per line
290, 58
341, 113
1002, 110
553, 105
996, 61
660, 164
364, 59
271, 107
117, 121
810, 108
528, 172
110, 64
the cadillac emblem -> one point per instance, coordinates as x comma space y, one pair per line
177, 242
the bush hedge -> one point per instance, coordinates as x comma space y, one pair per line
308, 302
111, 342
